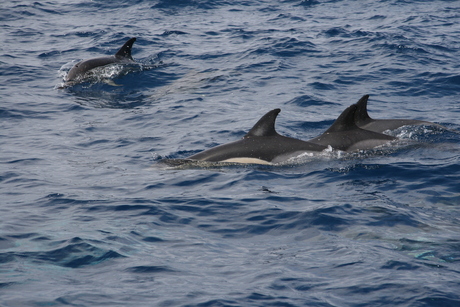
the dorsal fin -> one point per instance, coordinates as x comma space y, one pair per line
345, 121
265, 126
361, 116
125, 51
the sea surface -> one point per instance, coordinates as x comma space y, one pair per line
89, 216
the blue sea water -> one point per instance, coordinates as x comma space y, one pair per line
90, 217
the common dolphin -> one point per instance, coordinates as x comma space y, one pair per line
345, 135
364, 121
79, 70
261, 145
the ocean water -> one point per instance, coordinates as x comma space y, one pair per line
89, 216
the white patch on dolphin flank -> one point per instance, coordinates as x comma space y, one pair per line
247, 160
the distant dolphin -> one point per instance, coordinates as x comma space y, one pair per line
261, 145
345, 135
364, 121
78, 72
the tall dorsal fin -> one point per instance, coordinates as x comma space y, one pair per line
265, 126
345, 121
125, 51
361, 115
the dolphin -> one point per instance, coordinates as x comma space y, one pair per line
345, 135
79, 70
261, 145
364, 121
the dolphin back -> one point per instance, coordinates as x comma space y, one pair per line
262, 145
78, 71
345, 135
364, 121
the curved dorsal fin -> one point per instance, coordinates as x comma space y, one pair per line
361, 116
265, 126
125, 51
345, 121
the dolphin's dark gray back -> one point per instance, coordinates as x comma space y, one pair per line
364, 121
345, 135
262, 142
79, 70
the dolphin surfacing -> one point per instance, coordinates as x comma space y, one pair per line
261, 145
345, 135
79, 71
264, 145
364, 121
